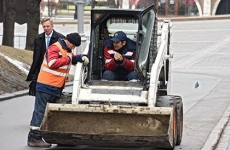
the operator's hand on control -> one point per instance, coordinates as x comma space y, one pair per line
70, 56
118, 57
85, 60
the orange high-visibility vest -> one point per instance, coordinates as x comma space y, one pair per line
54, 77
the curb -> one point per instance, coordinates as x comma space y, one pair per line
13, 95
69, 21
216, 133
8, 96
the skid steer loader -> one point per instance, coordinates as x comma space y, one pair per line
120, 113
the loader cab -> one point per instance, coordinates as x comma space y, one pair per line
139, 26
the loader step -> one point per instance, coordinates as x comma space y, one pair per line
114, 91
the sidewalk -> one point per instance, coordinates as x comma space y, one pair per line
71, 20
224, 142
219, 138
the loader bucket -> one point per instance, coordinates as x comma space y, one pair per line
106, 125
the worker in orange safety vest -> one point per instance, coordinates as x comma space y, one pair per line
51, 81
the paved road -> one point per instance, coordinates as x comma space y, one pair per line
201, 54
201, 48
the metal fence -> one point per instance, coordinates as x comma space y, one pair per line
19, 41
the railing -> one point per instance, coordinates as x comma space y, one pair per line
19, 41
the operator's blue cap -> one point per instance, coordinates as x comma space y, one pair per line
119, 36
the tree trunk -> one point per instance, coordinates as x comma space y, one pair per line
33, 19
9, 13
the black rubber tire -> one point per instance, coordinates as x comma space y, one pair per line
169, 101
165, 101
66, 145
65, 98
179, 119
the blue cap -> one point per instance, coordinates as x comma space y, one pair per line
119, 36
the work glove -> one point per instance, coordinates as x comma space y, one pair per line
32, 88
70, 56
85, 60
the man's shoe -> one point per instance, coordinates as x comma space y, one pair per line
37, 142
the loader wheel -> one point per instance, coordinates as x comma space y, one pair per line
179, 119
65, 98
169, 101
66, 145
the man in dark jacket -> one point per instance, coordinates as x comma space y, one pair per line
41, 42
119, 55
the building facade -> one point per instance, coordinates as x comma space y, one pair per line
213, 7
167, 8
192, 7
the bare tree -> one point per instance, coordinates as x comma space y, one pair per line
9, 14
33, 19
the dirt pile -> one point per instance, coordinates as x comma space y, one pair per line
12, 78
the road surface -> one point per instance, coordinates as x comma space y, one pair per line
201, 55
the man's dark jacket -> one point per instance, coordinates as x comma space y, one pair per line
39, 51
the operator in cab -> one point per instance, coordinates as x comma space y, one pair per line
119, 56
